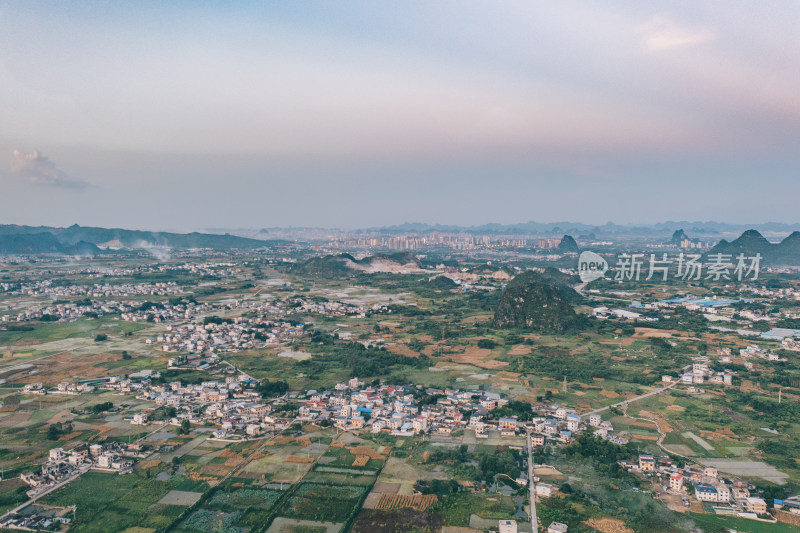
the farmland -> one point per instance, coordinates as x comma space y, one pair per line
274, 450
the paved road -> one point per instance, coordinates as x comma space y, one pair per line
532, 486
625, 402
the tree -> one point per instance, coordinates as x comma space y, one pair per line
100, 337
487, 344
186, 426
53, 433
272, 389
101, 407
125, 355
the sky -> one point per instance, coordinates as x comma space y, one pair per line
189, 115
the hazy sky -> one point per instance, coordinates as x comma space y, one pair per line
187, 115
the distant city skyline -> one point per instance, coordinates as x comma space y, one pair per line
183, 116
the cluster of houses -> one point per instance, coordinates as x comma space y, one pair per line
755, 351
226, 336
397, 410
790, 343
727, 496
510, 526
784, 293
232, 406
253, 332
63, 466
130, 310
64, 387
699, 373
39, 521
166, 312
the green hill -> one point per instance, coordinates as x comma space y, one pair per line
568, 245
328, 266
442, 283
535, 301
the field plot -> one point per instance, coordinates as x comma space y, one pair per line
459, 508
245, 497
315, 501
398, 471
750, 469
400, 521
717, 522
418, 502
294, 525
233, 508
352, 459
180, 497
209, 521
109, 502
705, 445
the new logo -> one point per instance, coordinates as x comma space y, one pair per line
591, 266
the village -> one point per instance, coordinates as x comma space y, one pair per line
234, 409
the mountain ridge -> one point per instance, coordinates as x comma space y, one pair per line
88, 240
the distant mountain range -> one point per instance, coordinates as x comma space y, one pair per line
751, 242
574, 228
89, 241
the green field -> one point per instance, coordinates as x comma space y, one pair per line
331, 503
716, 523
109, 502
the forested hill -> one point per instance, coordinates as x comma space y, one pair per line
538, 301
751, 242
80, 240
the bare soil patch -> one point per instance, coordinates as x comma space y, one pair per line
402, 349
608, 525
658, 333
299, 460
66, 365
521, 349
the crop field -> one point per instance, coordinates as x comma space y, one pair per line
209, 521
457, 508
294, 525
109, 502
712, 523
398, 521
245, 497
418, 502
352, 458
314, 501
235, 508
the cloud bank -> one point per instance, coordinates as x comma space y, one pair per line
38, 169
